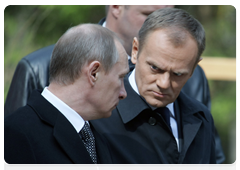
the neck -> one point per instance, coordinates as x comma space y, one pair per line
73, 96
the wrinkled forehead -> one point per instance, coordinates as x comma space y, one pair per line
171, 40
177, 36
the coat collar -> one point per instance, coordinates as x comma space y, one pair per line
190, 106
191, 112
63, 131
133, 104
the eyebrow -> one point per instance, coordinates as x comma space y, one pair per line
159, 67
153, 63
181, 72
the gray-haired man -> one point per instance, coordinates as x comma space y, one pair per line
87, 67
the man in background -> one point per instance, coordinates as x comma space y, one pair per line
86, 82
125, 20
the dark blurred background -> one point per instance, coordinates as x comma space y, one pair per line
28, 28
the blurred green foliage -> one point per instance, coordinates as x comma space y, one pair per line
219, 22
28, 28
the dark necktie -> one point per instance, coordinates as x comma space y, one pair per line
165, 113
89, 141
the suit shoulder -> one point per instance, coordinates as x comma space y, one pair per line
194, 105
199, 70
22, 118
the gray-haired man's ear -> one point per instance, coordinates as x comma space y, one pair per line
93, 70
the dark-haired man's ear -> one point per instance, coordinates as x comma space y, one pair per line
93, 71
116, 10
134, 50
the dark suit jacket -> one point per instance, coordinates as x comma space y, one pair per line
134, 137
39, 134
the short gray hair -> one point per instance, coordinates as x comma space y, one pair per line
78, 46
177, 19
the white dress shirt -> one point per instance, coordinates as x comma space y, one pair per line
72, 116
173, 121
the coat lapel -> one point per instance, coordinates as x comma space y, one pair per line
191, 126
190, 123
128, 109
103, 153
70, 141
64, 133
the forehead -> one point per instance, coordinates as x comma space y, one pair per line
168, 37
159, 44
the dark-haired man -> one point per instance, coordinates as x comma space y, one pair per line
157, 123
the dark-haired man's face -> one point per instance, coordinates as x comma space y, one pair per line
162, 68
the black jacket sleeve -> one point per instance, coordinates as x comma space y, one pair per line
23, 83
32, 72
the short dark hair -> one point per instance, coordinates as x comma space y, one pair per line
78, 46
173, 18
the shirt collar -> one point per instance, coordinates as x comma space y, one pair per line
133, 84
104, 24
72, 116
132, 81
